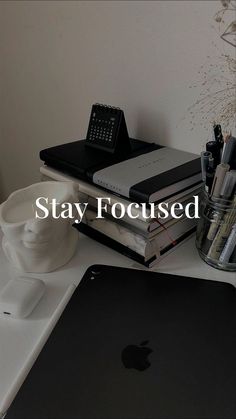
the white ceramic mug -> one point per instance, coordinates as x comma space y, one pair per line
32, 244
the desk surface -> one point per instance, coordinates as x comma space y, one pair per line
22, 340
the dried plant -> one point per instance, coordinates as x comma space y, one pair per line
217, 77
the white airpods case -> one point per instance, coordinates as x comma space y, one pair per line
20, 296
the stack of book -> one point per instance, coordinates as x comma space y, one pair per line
145, 240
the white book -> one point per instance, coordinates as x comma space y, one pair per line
136, 242
148, 228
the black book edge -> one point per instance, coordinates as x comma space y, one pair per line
50, 158
154, 184
113, 244
124, 250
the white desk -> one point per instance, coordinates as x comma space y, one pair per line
22, 340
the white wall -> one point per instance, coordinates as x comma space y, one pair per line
57, 58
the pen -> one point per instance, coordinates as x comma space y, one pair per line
222, 188
210, 173
218, 133
205, 155
229, 246
216, 217
233, 256
229, 185
221, 171
223, 232
227, 136
215, 149
229, 154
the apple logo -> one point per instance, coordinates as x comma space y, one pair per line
136, 356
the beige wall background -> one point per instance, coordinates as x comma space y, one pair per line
58, 58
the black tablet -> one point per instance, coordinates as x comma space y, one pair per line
133, 344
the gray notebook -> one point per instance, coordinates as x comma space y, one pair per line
151, 176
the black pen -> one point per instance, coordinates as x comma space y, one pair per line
218, 134
210, 173
205, 155
215, 149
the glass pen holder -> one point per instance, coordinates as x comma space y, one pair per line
216, 232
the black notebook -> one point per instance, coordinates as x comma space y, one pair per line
133, 344
79, 160
148, 173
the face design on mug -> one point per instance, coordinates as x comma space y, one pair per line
37, 244
36, 234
